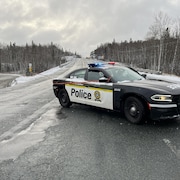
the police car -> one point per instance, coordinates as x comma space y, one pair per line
119, 88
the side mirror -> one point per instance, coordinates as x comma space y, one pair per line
144, 75
103, 79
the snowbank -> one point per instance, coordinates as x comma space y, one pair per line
23, 79
165, 77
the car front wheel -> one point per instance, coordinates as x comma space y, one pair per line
134, 110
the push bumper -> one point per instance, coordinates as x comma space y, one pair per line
164, 111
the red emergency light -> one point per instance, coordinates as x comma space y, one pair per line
111, 63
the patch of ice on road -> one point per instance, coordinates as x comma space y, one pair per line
34, 134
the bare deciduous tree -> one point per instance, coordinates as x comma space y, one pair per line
177, 34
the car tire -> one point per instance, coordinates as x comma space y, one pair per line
64, 98
134, 110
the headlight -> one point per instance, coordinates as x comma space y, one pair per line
161, 98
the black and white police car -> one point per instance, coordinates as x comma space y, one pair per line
119, 88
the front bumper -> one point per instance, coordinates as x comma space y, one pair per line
164, 111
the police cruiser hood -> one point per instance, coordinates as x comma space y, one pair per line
161, 86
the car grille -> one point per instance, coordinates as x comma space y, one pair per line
176, 99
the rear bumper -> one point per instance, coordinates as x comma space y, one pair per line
164, 111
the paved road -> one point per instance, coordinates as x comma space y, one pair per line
41, 140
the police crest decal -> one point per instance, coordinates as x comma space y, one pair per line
97, 96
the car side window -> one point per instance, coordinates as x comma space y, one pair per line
94, 75
78, 74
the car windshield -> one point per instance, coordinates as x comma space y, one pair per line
120, 74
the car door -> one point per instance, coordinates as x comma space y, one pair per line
100, 94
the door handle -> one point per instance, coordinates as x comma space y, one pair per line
86, 85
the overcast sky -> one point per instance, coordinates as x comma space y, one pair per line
80, 25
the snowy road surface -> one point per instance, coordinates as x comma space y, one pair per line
30, 98
41, 140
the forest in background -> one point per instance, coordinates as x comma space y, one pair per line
15, 58
159, 52
144, 54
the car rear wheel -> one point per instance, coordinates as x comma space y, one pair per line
134, 110
64, 98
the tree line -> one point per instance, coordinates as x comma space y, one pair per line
15, 58
160, 51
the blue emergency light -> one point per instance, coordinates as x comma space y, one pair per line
98, 64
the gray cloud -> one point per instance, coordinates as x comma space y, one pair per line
80, 25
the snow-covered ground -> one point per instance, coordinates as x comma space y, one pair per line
165, 77
23, 79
